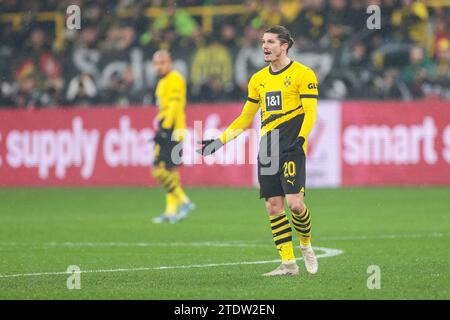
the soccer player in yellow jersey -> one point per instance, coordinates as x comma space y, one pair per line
286, 92
171, 101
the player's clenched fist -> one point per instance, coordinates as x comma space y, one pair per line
209, 146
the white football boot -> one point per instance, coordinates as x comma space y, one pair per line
185, 209
310, 259
289, 268
165, 218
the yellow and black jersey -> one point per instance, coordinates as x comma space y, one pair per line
171, 101
279, 94
287, 100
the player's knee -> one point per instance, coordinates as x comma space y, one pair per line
274, 206
296, 207
274, 210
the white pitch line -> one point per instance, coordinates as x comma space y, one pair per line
328, 252
235, 243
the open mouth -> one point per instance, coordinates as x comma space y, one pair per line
267, 53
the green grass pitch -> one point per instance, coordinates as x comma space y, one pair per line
223, 247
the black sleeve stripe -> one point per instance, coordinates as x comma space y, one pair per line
252, 100
313, 96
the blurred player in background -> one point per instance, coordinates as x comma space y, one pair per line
171, 101
287, 92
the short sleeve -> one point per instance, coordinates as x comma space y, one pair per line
309, 86
253, 95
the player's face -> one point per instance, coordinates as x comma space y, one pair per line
272, 47
162, 64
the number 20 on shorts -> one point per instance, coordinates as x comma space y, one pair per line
289, 168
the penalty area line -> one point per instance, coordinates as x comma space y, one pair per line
327, 253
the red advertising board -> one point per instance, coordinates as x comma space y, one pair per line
110, 146
353, 144
395, 143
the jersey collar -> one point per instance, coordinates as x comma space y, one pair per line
282, 70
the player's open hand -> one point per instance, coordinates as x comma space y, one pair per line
296, 146
209, 146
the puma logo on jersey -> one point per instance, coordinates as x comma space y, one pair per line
291, 182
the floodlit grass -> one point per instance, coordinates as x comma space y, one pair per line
108, 232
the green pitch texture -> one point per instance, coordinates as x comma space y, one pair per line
405, 231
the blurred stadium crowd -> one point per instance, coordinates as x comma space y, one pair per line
108, 61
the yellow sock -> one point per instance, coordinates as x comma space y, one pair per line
178, 190
181, 195
302, 223
165, 178
170, 180
282, 236
171, 204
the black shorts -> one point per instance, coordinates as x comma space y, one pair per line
168, 153
288, 179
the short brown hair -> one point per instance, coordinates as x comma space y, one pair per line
283, 35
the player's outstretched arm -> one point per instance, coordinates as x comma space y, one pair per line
209, 146
239, 125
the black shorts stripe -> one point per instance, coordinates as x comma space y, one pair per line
284, 240
279, 233
313, 96
285, 222
274, 117
252, 100
277, 219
